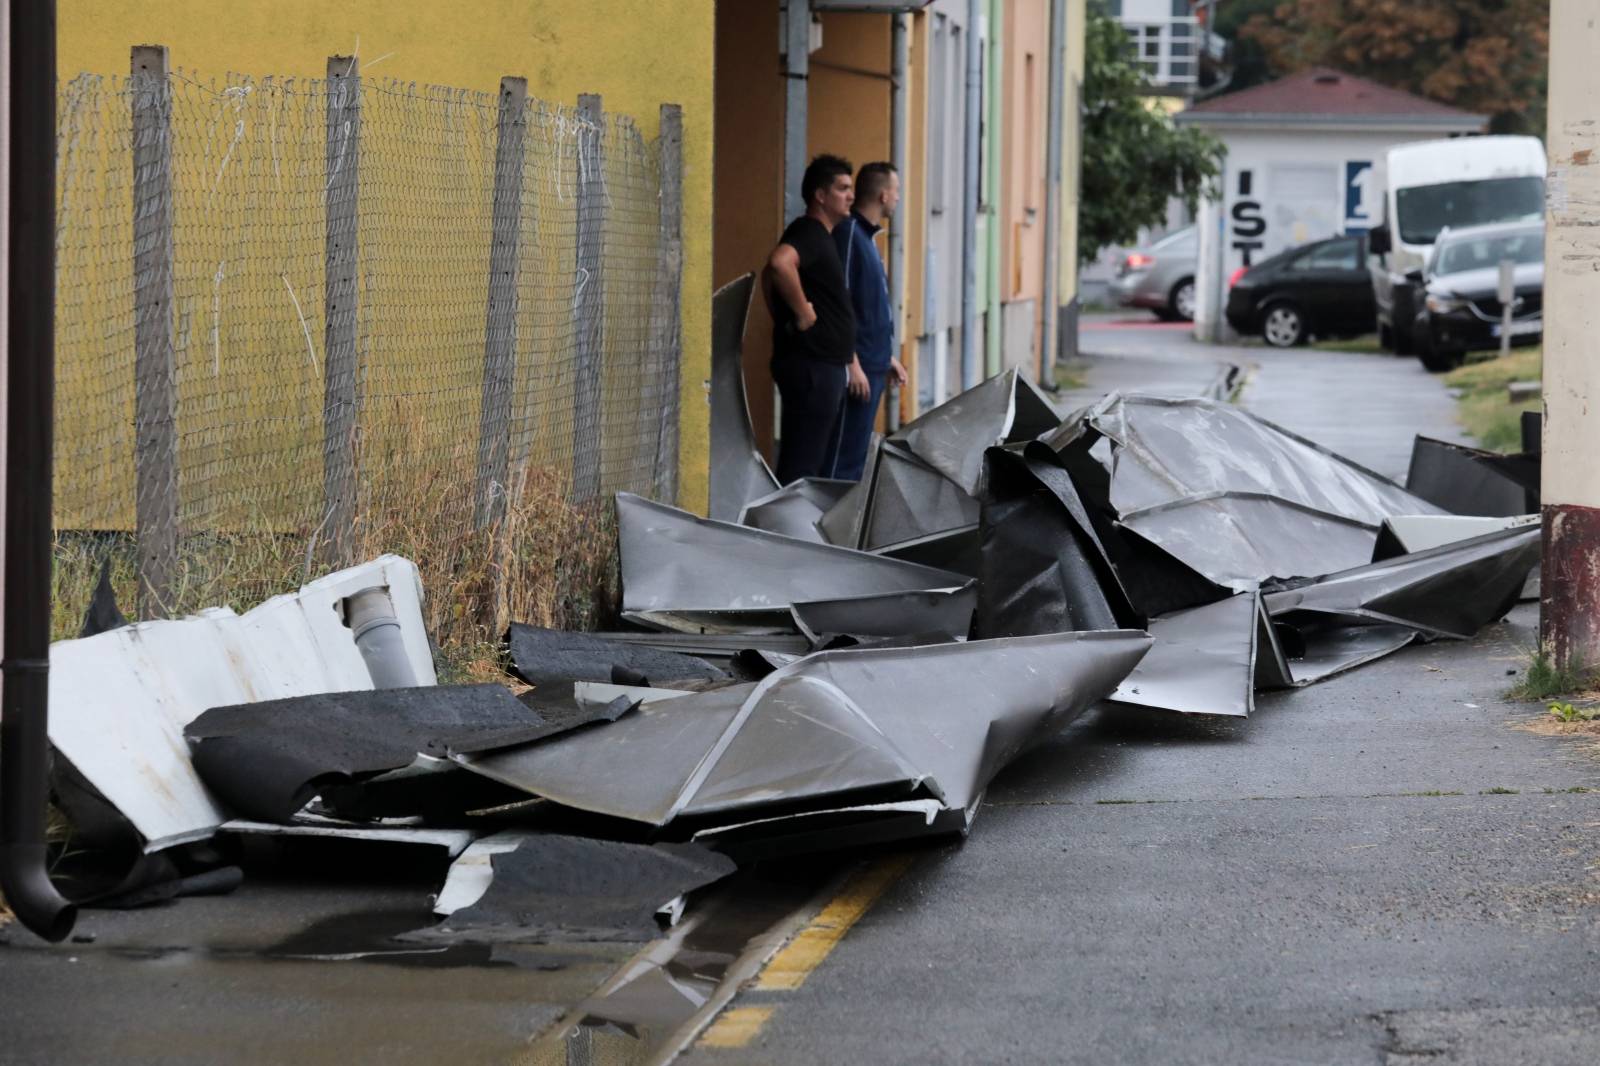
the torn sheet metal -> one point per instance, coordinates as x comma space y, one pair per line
1471, 481
952, 437
1203, 660
715, 647
955, 550
1168, 450
945, 612
681, 571
796, 509
471, 873
871, 724
1240, 541
267, 760
1404, 534
453, 841
842, 525
1448, 591
739, 472
1042, 569
103, 614
861, 826
540, 656
120, 699
1323, 645
1237, 499
553, 889
910, 499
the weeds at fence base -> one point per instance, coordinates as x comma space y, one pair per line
1544, 678
547, 560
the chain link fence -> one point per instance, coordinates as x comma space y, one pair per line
301, 322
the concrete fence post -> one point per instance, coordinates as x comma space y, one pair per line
341, 252
1569, 609
500, 330
666, 319
155, 405
588, 300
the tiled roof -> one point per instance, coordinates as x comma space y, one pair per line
1324, 93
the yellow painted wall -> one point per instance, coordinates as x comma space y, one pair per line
1027, 33
637, 53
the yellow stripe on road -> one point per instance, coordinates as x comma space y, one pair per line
791, 966
736, 1028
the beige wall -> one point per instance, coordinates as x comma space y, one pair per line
749, 175
914, 189
1071, 152
1024, 111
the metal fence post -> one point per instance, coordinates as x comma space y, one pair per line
666, 314
500, 330
155, 405
343, 157
588, 300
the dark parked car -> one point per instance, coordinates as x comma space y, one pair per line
1321, 289
1461, 309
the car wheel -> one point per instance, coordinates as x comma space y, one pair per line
1437, 362
1283, 326
1180, 301
1385, 336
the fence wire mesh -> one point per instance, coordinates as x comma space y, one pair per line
381, 317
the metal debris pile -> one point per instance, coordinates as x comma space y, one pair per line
818, 666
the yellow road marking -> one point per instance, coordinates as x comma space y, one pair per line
736, 1028
790, 967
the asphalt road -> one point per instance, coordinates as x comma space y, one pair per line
1378, 869
1382, 868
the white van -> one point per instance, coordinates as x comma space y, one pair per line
1466, 181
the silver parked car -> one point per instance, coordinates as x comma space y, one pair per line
1160, 277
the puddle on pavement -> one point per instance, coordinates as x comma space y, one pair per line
368, 936
638, 1016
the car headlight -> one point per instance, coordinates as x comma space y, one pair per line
1443, 305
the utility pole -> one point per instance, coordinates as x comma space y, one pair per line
1569, 608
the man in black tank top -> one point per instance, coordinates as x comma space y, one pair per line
813, 340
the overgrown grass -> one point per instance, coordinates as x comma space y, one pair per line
548, 560
1544, 679
1367, 344
1485, 413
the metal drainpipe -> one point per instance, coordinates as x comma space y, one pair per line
795, 28
899, 151
30, 412
971, 336
1048, 335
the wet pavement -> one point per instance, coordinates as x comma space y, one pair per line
1365, 406
267, 975
1382, 868
1373, 869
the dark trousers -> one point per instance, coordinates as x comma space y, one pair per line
859, 415
813, 395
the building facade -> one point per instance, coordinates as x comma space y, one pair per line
1305, 161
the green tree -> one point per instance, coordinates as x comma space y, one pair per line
1134, 158
1485, 56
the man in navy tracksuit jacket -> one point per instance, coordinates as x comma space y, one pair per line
877, 194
